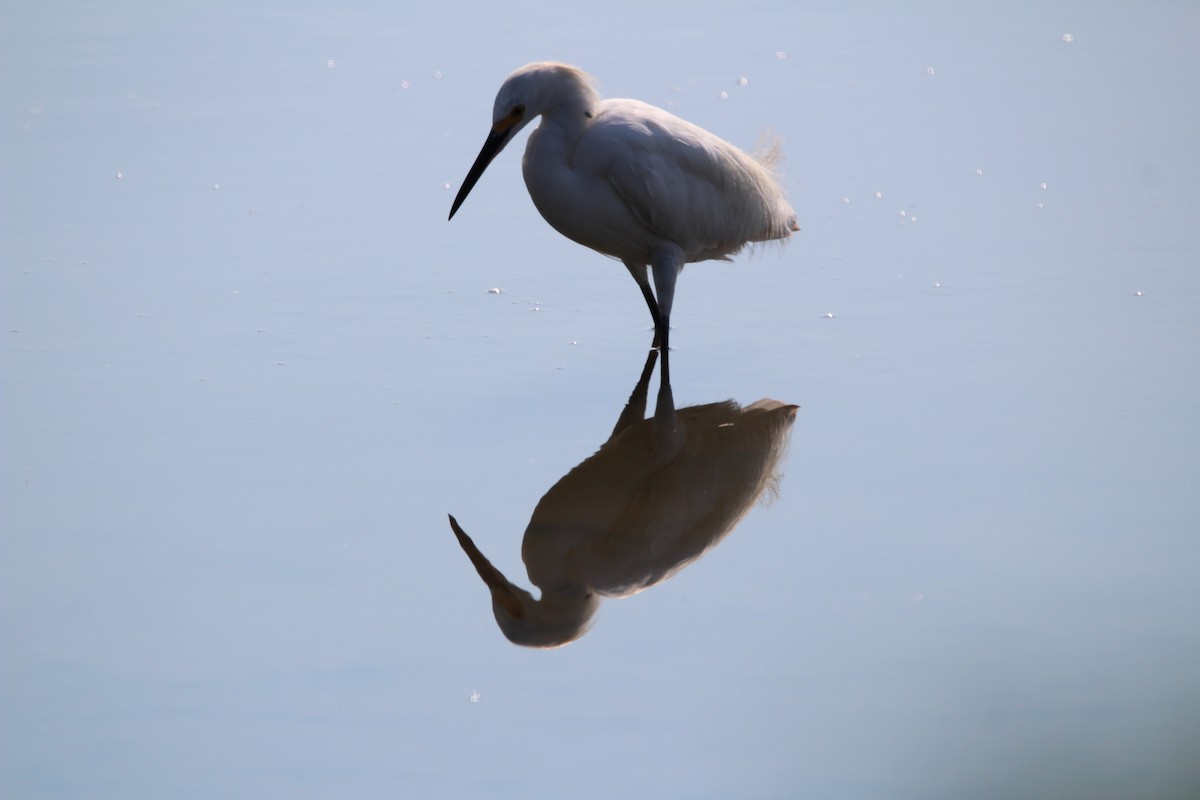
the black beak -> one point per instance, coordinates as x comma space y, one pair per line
494, 144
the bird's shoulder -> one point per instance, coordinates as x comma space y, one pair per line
629, 133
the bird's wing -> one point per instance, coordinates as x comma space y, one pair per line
681, 183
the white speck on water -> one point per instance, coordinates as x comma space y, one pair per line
918, 597
879, 195
573, 342
827, 315
979, 172
404, 84
724, 95
1042, 185
1137, 294
780, 55
437, 74
929, 70
330, 64
912, 218
846, 200
120, 176
743, 82
903, 213
494, 290
1041, 204
474, 698
216, 186
1068, 38
937, 285
445, 185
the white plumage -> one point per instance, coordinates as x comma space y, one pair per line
632, 181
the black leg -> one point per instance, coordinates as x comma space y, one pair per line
668, 261
661, 332
638, 271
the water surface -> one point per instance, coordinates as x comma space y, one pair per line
247, 368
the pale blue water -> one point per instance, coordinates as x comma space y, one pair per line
247, 368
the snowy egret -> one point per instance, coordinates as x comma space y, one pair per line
655, 497
632, 181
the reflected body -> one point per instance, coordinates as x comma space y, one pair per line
632, 181
655, 497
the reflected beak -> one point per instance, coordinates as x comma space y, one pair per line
501, 589
494, 144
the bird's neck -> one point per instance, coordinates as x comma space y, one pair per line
546, 154
561, 128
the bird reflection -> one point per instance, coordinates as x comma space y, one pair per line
655, 497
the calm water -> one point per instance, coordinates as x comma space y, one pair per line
247, 368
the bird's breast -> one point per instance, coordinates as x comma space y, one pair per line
580, 205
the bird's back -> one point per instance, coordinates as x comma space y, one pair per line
681, 183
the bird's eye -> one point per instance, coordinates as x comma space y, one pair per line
518, 111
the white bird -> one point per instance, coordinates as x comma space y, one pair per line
632, 181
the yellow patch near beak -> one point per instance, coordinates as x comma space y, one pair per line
502, 125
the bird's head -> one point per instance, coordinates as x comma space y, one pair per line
552, 621
532, 90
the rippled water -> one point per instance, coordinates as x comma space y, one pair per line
248, 368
